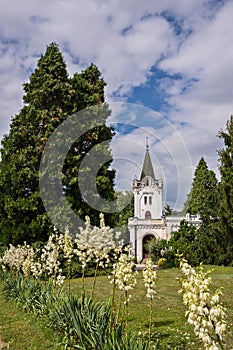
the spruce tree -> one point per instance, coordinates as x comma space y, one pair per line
225, 225
203, 198
50, 97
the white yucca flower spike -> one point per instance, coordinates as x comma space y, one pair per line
95, 243
205, 312
18, 259
123, 274
150, 277
67, 245
50, 256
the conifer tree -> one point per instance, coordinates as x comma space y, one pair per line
89, 91
50, 97
203, 198
225, 224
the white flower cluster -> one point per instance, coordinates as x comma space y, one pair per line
95, 243
67, 244
27, 264
205, 312
36, 269
50, 257
92, 243
18, 259
123, 274
149, 276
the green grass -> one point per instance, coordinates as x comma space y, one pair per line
168, 309
24, 331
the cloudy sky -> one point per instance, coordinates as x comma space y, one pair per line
169, 63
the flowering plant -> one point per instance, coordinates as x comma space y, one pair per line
50, 257
123, 277
150, 277
205, 312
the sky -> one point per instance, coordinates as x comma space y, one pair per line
167, 64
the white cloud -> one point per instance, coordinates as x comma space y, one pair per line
207, 57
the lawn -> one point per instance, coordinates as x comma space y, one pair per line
25, 331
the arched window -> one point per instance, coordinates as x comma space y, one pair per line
147, 215
147, 182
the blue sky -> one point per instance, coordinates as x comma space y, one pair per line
172, 57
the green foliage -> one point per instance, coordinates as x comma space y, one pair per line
126, 201
46, 99
196, 244
50, 97
23, 330
33, 295
224, 227
203, 198
168, 210
183, 241
156, 248
86, 323
97, 140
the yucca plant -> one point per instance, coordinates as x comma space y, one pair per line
33, 295
83, 322
88, 325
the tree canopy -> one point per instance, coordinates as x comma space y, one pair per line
203, 198
225, 212
50, 97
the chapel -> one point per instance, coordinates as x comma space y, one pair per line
149, 220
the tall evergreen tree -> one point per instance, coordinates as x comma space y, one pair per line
203, 198
50, 97
225, 225
89, 91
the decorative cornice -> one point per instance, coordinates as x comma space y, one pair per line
151, 227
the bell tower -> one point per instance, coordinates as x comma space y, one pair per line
148, 220
148, 192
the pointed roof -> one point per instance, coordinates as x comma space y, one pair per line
147, 169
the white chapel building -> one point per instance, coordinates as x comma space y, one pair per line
148, 220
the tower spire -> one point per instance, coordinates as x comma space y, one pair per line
147, 169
